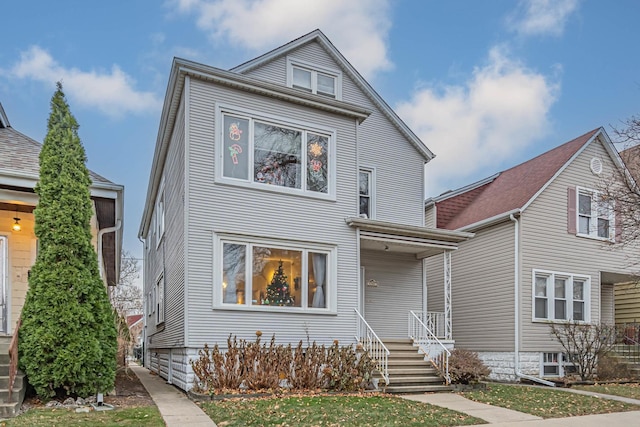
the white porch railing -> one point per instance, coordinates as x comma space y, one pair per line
374, 346
435, 321
429, 343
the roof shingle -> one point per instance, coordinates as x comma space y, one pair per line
511, 190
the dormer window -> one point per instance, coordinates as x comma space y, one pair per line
313, 79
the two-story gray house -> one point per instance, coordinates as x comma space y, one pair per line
274, 205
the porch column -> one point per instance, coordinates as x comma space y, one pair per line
447, 296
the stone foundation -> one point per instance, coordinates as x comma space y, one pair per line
503, 367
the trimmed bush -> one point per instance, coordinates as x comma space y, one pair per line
465, 367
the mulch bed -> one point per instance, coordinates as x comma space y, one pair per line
130, 393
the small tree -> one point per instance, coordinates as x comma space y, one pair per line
67, 342
126, 299
584, 344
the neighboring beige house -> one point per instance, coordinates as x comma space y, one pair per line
19, 171
544, 251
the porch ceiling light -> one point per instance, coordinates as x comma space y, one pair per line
16, 225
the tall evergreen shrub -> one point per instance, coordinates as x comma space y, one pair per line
67, 341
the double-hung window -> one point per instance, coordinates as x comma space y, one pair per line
271, 154
595, 216
313, 78
560, 296
269, 275
365, 192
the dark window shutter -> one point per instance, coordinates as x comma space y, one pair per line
571, 210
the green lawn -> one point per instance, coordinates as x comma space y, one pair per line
147, 416
631, 390
332, 411
546, 402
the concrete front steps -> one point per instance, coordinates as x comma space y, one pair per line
409, 372
9, 407
628, 355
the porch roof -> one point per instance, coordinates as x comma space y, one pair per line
393, 237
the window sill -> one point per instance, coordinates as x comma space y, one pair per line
601, 239
560, 321
275, 309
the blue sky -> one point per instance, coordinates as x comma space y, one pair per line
485, 84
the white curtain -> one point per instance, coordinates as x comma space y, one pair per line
319, 273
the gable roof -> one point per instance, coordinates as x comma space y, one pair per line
133, 319
368, 90
20, 171
512, 190
631, 159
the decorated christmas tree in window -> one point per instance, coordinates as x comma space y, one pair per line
278, 291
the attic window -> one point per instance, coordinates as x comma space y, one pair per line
596, 166
313, 79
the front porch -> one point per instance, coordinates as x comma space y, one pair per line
394, 291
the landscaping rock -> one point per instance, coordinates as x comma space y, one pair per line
69, 401
80, 402
84, 409
53, 404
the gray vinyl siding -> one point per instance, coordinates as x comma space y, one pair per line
482, 289
399, 278
168, 258
397, 163
547, 245
430, 217
224, 208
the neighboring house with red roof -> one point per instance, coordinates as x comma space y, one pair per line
544, 250
135, 322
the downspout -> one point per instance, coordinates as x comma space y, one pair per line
516, 282
101, 233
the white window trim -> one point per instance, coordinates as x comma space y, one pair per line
568, 296
331, 279
160, 303
593, 232
160, 214
372, 190
563, 362
314, 69
253, 115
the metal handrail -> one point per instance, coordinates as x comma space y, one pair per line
13, 357
422, 335
374, 346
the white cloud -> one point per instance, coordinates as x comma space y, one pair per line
359, 28
499, 111
542, 17
112, 92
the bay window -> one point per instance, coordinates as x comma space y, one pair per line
560, 296
269, 274
282, 156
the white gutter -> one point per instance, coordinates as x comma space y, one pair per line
101, 233
516, 348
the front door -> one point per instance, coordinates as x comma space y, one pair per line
3, 283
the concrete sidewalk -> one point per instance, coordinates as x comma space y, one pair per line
175, 407
489, 413
510, 418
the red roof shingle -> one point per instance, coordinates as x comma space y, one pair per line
511, 190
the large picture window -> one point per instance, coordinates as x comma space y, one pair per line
266, 153
559, 296
274, 275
